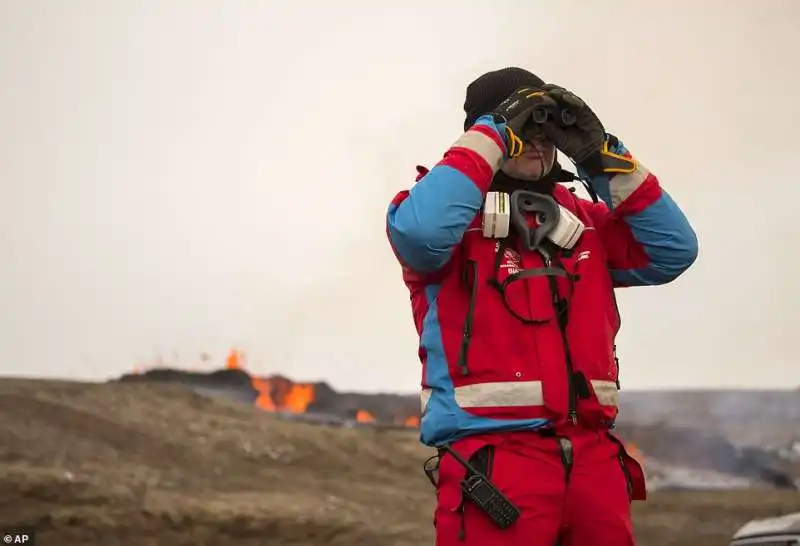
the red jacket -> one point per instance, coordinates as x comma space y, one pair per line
535, 350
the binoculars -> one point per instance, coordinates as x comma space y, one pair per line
561, 116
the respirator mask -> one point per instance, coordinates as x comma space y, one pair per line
502, 210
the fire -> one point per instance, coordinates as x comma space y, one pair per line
279, 394
411, 421
363, 416
234, 360
634, 452
276, 393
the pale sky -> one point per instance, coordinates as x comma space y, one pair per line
190, 175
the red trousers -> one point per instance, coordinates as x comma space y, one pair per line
587, 505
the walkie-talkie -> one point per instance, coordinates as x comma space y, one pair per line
485, 495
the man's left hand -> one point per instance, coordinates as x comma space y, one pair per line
585, 142
585, 136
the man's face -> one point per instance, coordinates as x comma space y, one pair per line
536, 160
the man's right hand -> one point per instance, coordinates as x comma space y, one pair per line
517, 112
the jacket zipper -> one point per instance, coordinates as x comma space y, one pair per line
466, 335
561, 318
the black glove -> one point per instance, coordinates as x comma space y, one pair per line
584, 142
517, 113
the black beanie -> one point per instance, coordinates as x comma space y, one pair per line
489, 90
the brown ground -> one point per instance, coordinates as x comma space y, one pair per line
143, 465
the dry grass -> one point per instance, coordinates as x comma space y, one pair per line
150, 465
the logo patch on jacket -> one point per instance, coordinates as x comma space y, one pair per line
511, 262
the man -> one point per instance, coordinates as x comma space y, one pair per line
517, 329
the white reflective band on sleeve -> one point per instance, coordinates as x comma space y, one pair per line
494, 395
482, 145
606, 392
622, 185
515, 394
499, 395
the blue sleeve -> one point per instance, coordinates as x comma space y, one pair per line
667, 240
648, 238
426, 224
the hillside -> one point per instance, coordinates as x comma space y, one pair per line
139, 464
725, 432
